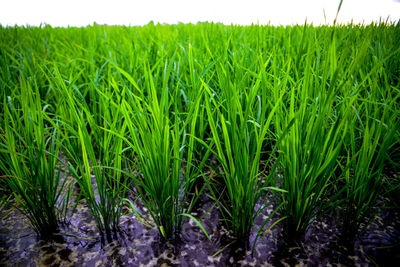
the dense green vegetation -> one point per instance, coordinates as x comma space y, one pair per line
306, 117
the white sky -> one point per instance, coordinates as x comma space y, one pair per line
133, 12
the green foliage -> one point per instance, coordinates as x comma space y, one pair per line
158, 134
367, 151
307, 113
238, 133
95, 147
30, 165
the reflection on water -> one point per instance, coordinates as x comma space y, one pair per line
79, 243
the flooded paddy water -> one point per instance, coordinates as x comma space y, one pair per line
79, 243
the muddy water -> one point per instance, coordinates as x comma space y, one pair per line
137, 245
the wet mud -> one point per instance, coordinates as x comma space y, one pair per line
79, 243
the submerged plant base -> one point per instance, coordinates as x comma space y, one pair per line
291, 237
79, 244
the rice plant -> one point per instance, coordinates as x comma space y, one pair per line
367, 148
167, 170
30, 149
308, 152
98, 171
238, 135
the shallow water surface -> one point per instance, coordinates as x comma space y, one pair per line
79, 243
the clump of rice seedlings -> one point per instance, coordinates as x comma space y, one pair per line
238, 136
307, 159
30, 149
308, 151
373, 132
99, 171
163, 150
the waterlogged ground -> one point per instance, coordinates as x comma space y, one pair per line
137, 245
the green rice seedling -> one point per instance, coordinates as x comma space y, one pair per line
238, 140
30, 150
190, 95
100, 174
310, 149
106, 192
167, 171
367, 147
307, 158
66, 115
4, 164
392, 170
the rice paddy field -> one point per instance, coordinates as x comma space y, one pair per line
200, 145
